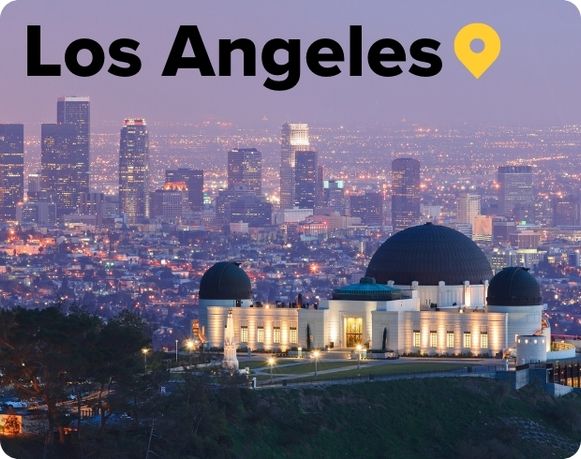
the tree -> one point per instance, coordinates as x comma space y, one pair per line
308, 337
41, 351
384, 340
45, 352
117, 359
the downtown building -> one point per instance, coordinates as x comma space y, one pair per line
134, 171
168, 203
368, 207
516, 195
306, 179
194, 181
334, 196
65, 155
245, 170
405, 199
294, 138
242, 203
11, 169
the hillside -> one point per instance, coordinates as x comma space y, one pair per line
435, 418
406, 419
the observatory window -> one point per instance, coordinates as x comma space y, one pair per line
243, 334
260, 335
483, 340
450, 340
293, 336
467, 339
417, 339
433, 339
276, 335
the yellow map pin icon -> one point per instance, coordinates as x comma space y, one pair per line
477, 62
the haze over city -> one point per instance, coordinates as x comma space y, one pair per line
533, 82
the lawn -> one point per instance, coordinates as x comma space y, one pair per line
392, 369
295, 366
309, 368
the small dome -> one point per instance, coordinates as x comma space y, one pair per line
429, 254
514, 286
368, 290
225, 280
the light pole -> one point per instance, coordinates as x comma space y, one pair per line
358, 348
190, 346
177, 341
271, 363
316, 355
144, 351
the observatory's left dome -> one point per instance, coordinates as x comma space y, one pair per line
225, 280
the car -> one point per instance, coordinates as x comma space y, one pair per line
16, 404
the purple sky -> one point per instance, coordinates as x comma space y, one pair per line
535, 80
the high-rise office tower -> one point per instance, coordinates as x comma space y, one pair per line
11, 169
567, 211
194, 180
405, 200
134, 170
319, 192
92, 204
306, 179
294, 137
502, 229
468, 207
334, 195
516, 196
250, 209
245, 169
167, 203
77, 111
368, 207
34, 192
58, 166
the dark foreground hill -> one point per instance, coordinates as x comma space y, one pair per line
439, 418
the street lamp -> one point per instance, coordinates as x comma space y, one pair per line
190, 346
177, 341
144, 351
316, 355
271, 363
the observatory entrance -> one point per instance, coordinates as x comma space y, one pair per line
353, 331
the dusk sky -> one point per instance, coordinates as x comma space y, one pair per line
535, 80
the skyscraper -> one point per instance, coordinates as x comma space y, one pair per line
368, 207
516, 197
134, 170
566, 211
334, 195
245, 169
11, 169
34, 192
468, 207
58, 166
294, 137
405, 200
250, 209
77, 111
194, 180
306, 179
167, 203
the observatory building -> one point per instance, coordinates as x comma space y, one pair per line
428, 290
